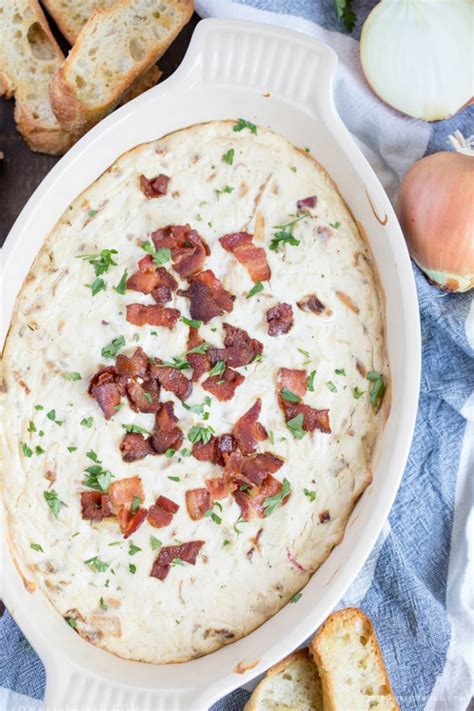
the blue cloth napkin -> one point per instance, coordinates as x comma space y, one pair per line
415, 585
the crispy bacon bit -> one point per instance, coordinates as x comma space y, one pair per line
186, 552
144, 397
324, 516
162, 512
122, 493
199, 361
248, 431
206, 452
188, 249
134, 446
233, 471
198, 501
146, 278
313, 304
94, 505
129, 522
153, 314
255, 468
208, 297
106, 391
172, 379
239, 349
307, 202
226, 444
292, 379
154, 187
280, 319
254, 259
252, 503
136, 365
166, 284
223, 386
166, 435
295, 381
217, 487
347, 301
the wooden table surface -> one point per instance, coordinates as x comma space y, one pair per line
22, 170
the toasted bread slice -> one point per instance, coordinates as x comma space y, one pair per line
350, 664
71, 16
115, 47
29, 57
291, 685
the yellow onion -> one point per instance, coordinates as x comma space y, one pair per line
436, 212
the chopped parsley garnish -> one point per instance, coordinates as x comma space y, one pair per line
225, 189
26, 450
191, 322
72, 622
53, 501
93, 456
293, 168
39, 407
102, 604
199, 408
242, 123
357, 392
212, 514
111, 350
292, 223
133, 549
256, 289
51, 415
229, 156
226, 542
31, 426
271, 437
98, 478
304, 353
376, 388
273, 502
136, 428
218, 369
96, 286
199, 434
121, 287
87, 422
132, 568
160, 256
295, 425
178, 362
155, 543
330, 386
283, 237
345, 13
177, 561
335, 225
289, 396
340, 371
39, 450
71, 449
72, 376
170, 452
174, 478
136, 504
310, 494
296, 597
185, 452
92, 213
36, 547
97, 565
310, 381
201, 349
101, 262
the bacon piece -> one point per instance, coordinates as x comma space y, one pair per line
223, 386
256, 467
206, 452
162, 512
307, 202
217, 487
188, 249
252, 503
104, 389
199, 361
233, 471
226, 444
186, 552
280, 319
248, 431
166, 284
293, 380
144, 397
166, 435
94, 505
146, 278
239, 349
122, 493
136, 365
311, 303
254, 259
129, 522
172, 379
207, 296
134, 446
152, 314
198, 501
154, 187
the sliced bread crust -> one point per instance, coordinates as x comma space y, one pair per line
29, 56
115, 47
350, 664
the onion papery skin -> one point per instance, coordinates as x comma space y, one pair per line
436, 211
417, 55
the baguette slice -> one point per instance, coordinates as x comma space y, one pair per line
350, 664
115, 47
71, 16
291, 685
29, 57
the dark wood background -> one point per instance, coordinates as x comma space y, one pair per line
22, 170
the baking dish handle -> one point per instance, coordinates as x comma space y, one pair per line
275, 61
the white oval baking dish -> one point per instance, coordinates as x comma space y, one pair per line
284, 80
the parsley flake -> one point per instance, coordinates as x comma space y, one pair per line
72, 376
289, 396
357, 392
242, 123
97, 565
310, 381
191, 322
102, 604
310, 494
26, 450
218, 369
340, 371
72, 622
295, 425
335, 225
256, 289
101, 262
296, 597
229, 156
377, 388
199, 434
330, 386
111, 350
133, 549
176, 561
96, 286
36, 547
87, 422
160, 256
136, 504
136, 428
273, 502
121, 287
170, 452
31, 426
132, 568
53, 501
